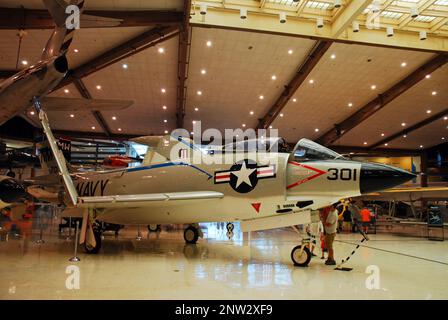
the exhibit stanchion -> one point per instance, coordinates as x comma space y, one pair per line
339, 267
75, 258
40, 240
69, 229
139, 236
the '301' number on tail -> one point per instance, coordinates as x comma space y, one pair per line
342, 174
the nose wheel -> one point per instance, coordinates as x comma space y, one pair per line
301, 256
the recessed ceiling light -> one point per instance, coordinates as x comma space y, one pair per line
405, 136
119, 129
199, 93
386, 144
166, 131
203, 71
66, 90
163, 90
428, 111
274, 77
373, 87
404, 64
161, 50
164, 107
294, 100
428, 76
365, 143
75, 50
196, 109
333, 56
350, 104
443, 138
32, 113
382, 134
251, 113
290, 51
244, 125
125, 66
445, 118
281, 115
434, 93
24, 62
421, 146
72, 115
311, 81
403, 124
270, 127
165, 121
194, 121
209, 43
98, 87
93, 128
316, 130
114, 118
261, 97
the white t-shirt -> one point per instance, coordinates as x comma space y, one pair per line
332, 219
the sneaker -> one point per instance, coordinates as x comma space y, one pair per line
330, 262
322, 258
312, 254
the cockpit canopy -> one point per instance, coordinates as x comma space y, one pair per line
307, 150
253, 145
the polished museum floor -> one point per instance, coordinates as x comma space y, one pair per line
161, 266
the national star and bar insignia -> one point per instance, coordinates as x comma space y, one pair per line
243, 176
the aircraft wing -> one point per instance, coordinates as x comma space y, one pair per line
81, 104
142, 200
409, 194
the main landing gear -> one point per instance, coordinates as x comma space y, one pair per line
192, 233
154, 227
89, 248
301, 255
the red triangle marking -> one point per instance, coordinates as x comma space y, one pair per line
256, 206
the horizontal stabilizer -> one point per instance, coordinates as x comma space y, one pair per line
81, 104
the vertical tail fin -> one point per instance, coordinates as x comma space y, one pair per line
62, 36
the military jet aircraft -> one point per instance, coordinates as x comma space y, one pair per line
178, 182
17, 92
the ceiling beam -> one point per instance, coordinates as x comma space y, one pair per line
141, 42
348, 15
182, 65
19, 18
381, 100
98, 116
407, 131
421, 8
261, 21
300, 76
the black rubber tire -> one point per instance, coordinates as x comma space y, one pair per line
191, 235
302, 262
96, 249
150, 229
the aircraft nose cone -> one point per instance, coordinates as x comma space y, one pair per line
376, 177
11, 191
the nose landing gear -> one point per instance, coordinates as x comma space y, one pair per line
301, 255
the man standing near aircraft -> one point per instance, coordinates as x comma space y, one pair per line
331, 226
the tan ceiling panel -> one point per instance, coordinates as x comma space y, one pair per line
345, 79
409, 108
239, 68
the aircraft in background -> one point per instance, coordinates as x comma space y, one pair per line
264, 189
18, 91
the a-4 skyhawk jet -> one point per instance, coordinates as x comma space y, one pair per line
262, 189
